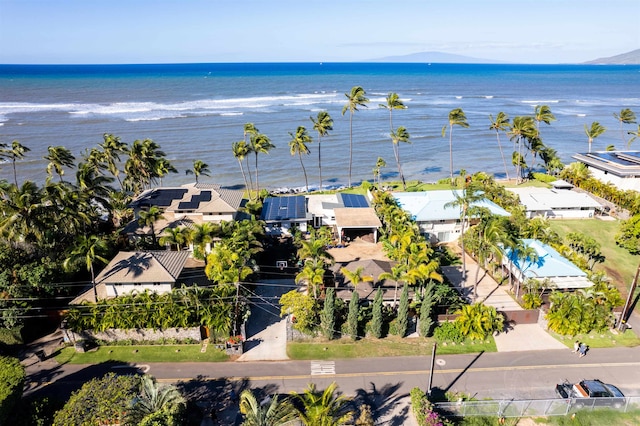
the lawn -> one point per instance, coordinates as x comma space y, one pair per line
137, 354
619, 265
593, 418
606, 339
387, 347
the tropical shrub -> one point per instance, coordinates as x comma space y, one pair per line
182, 307
302, 309
478, 321
531, 301
103, 400
423, 410
448, 332
12, 378
584, 310
629, 235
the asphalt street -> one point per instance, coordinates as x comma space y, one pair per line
520, 375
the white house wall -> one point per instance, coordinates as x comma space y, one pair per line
629, 183
115, 290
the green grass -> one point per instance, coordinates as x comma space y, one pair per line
605, 339
387, 347
593, 418
619, 265
137, 354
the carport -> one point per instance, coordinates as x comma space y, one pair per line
355, 222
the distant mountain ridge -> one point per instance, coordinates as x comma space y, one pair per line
629, 58
436, 57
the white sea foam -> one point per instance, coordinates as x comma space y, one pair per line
489, 97
540, 102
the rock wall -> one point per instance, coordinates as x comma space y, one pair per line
140, 335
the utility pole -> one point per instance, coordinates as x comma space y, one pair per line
623, 316
433, 362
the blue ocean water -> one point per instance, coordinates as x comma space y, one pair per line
196, 111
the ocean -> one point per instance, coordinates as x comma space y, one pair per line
196, 111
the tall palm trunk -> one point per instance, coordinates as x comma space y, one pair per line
304, 171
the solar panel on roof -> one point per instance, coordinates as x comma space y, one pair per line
160, 197
282, 208
354, 200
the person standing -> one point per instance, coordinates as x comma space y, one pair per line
576, 346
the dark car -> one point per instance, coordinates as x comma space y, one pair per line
591, 393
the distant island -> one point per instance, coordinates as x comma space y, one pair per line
629, 58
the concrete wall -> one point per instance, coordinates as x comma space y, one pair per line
142, 335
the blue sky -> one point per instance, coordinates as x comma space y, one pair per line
154, 31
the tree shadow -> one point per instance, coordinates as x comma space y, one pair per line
383, 402
218, 399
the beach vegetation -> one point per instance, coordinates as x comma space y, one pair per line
14, 152
401, 135
260, 144
357, 97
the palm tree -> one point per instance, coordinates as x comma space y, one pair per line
593, 132
240, 152
355, 98
523, 128
59, 157
464, 200
313, 276
272, 413
199, 168
154, 398
380, 163
88, 250
326, 408
13, 153
149, 218
163, 167
323, 124
400, 135
500, 124
249, 130
634, 135
112, 147
260, 144
173, 237
24, 217
626, 116
298, 146
456, 118
398, 274
393, 102
314, 250
202, 235
356, 277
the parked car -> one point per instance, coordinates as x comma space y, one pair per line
591, 393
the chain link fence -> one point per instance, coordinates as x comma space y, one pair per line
534, 407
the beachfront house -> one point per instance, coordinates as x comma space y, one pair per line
620, 168
349, 214
557, 203
547, 264
186, 205
136, 271
438, 221
281, 214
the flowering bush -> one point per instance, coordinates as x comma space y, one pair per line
234, 340
423, 410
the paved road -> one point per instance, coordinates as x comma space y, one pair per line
489, 375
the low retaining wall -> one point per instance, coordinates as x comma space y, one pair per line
140, 335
